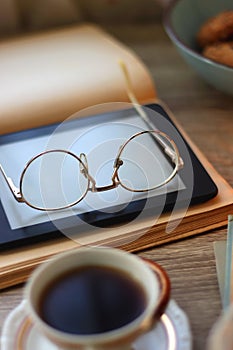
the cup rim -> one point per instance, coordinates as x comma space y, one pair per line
170, 30
138, 325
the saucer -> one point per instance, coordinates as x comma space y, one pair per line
172, 332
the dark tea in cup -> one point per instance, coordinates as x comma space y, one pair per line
91, 299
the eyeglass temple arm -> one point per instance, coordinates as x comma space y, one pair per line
14, 190
129, 89
169, 151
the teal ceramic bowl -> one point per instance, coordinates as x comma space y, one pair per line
182, 20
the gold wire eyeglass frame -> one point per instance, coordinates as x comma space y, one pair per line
159, 137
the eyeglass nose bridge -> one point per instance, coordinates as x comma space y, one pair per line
115, 180
92, 183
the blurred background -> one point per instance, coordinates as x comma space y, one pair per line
19, 16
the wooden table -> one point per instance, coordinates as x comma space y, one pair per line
207, 115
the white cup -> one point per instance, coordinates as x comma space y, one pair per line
150, 276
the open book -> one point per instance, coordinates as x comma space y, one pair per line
47, 77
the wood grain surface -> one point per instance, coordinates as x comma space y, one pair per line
207, 116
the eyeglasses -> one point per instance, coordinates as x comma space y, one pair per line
58, 179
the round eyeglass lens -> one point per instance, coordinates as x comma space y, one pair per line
146, 166
53, 180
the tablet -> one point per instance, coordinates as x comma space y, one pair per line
99, 137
